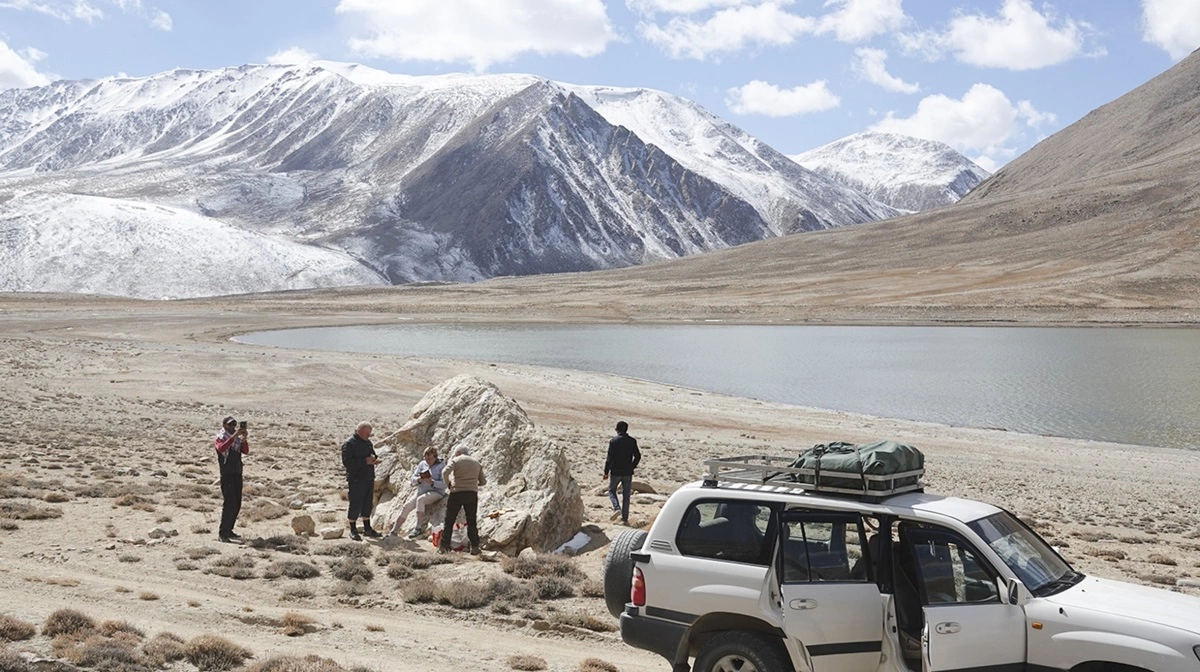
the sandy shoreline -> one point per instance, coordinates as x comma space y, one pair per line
91, 386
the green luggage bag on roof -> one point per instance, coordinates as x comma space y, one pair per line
843, 465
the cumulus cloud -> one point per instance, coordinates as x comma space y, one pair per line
161, 20
729, 30
1020, 38
478, 32
858, 20
740, 24
871, 65
1173, 25
760, 97
88, 10
650, 7
983, 121
17, 69
291, 56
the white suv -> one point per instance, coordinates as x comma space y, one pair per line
746, 571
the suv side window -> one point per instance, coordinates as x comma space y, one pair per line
824, 547
949, 570
734, 530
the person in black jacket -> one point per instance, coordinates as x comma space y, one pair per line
623, 457
358, 456
230, 444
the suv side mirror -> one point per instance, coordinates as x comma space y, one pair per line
1016, 592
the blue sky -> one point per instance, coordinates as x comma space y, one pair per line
988, 77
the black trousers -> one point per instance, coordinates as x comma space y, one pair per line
362, 497
467, 501
231, 493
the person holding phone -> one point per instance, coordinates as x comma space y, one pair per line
231, 445
359, 459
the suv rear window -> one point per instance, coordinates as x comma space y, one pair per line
733, 530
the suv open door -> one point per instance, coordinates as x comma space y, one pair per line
827, 585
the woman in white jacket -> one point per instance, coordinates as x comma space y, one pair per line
427, 476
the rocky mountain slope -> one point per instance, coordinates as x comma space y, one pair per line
418, 178
907, 173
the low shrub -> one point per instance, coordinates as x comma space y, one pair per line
543, 565
15, 630
295, 624
23, 511
552, 587
292, 569
1160, 559
346, 550
418, 590
293, 594
596, 665
463, 595
585, 621
529, 663
201, 552
284, 543
112, 628
210, 652
350, 569
68, 622
591, 588
399, 572
309, 663
263, 509
420, 560
129, 557
10, 661
164, 648
186, 565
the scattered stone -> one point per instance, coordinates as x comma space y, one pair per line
1188, 583
304, 525
541, 626
162, 533
527, 554
296, 504
159, 474
332, 532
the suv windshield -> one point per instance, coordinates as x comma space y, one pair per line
1041, 569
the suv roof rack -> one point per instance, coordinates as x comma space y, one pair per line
776, 470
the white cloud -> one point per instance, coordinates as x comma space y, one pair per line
759, 97
728, 30
1020, 38
479, 32
161, 20
1173, 25
17, 69
650, 7
983, 120
291, 56
858, 20
64, 10
871, 65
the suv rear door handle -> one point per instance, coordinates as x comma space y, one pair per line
803, 603
947, 628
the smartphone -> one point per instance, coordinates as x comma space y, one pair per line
242, 424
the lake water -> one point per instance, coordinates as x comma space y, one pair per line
1126, 385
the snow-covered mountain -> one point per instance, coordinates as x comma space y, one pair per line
94, 245
907, 173
453, 177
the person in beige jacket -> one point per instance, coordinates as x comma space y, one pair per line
463, 475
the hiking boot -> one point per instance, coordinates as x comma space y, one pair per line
443, 551
415, 534
372, 533
474, 550
233, 535
224, 538
355, 536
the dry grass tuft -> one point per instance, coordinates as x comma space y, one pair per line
309, 663
399, 572
543, 565
148, 596
285, 543
209, 652
56, 497
419, 560
111, 628
15, 630
10, 661
350, 569
347, 550
418, 590
292, 569
591, 588
529, 663
68, 622
238, 567
1158, 579
296, 624
1160, 559
552, 587
584, 621
22, 511
596, 665
372, 627
1112, 554
9, 525
129, 557
201, 552
186, 565
164, 648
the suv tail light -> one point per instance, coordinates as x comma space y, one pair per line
637, 590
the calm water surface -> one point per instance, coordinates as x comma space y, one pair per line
1126, 385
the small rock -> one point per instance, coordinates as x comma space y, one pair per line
332, 532
159, 474
162, 533
1188, 583
541, 626
296, 504
527, 553
110, 547
305, 525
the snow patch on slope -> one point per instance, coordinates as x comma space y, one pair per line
95, 245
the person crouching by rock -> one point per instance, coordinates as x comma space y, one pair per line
463, 474
427, 476
231, 444
358, 456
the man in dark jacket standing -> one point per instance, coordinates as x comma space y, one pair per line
230, 444
623, 457
358, 456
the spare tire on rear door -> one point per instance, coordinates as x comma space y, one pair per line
618, 569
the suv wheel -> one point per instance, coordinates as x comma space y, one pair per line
618, 569
741, 652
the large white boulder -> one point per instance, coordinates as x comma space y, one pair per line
531, 499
